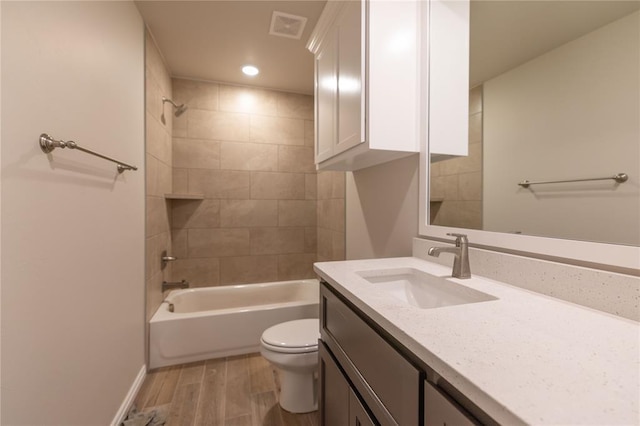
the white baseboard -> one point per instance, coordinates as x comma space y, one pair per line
131, 395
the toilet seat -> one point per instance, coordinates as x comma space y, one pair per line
293, 337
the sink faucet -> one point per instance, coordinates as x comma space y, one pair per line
461, 268
170, 286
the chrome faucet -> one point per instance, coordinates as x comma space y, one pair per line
171, 286
461, 268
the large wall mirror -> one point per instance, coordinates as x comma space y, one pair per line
554, 96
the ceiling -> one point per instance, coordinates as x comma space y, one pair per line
212, 40
505, 34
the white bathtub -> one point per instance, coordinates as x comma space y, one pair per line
215, 322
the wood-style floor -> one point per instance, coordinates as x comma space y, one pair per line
235, 391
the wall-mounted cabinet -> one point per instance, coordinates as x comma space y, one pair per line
366, 83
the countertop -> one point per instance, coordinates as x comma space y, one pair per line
524, 358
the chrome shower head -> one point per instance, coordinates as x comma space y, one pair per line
180, 109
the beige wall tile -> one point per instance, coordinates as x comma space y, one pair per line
475, 128
152, 263
434, 169
283, 131
296, 266
277, 186
157, 140
165, 179
179, 244
293, 105
196, 153
470, 186
195, 214
338, 250
323, 213
154, 294
199, 272
248, 269
309, 132
325, 185
223, 126
297, 213
325, 245
451, 187
218, 242
153, 96
310, 240
310, 186
437, 187
338, 185
179, 125
337, 215
220, 183
248, 156
277, 240
151, 175
248, 213
475, 100
180, 181
248, 100
157, 216
155, 65
296, 159
195, 94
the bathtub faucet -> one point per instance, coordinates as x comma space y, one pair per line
170, 286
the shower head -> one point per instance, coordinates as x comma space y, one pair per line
180, 109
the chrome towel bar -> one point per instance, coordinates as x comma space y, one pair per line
619, 178
48, 144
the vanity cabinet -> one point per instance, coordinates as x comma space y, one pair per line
366, 85
365, 379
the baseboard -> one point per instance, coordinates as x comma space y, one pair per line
131, 395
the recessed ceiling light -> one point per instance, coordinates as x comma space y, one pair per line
250, 70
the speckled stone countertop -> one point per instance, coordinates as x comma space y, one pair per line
524, 358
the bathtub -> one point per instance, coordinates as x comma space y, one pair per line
214, 322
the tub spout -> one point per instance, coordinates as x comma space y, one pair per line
170, 286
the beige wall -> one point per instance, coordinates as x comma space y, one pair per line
159, 174
331, 216
568, 114
72, 227
456, 184
250, 152
382, 209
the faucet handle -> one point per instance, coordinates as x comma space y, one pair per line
460, 238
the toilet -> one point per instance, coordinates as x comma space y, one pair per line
293, 348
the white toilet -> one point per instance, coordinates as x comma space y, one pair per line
293, 348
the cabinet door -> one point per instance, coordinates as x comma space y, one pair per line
351, 131
334, 391
438, 411
358, 416
326, 67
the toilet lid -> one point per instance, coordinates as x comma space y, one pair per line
293, 336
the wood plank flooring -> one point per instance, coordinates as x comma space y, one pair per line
235, 391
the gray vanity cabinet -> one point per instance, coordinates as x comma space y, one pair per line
365, 379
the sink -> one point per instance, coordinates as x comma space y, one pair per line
423, 290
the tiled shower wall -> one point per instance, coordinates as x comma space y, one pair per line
250, 153
158, 174
456, 184
331, 216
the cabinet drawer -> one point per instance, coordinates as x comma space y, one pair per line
387, 382
439, 411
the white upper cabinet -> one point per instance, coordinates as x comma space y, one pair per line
447, 51
367, 86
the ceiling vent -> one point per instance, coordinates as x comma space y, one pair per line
285, 25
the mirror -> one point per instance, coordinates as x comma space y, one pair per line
554, 96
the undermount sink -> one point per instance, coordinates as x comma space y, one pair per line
423, 290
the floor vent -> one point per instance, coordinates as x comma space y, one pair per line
286, 25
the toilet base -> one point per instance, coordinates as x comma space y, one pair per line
299, 391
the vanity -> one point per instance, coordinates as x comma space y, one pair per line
465, 352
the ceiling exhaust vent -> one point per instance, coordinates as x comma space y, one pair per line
286, 25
